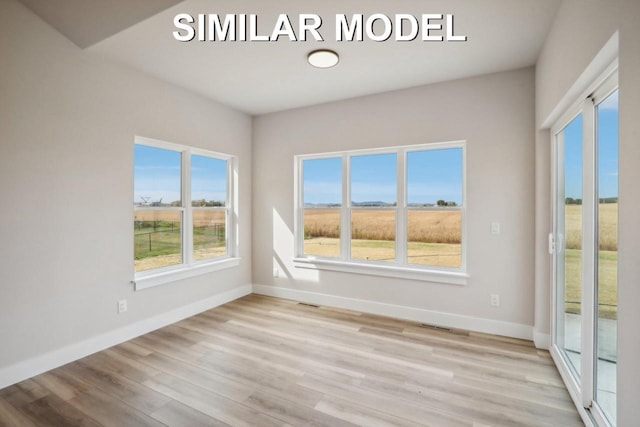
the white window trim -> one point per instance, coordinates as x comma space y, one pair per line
400, 268
190, 267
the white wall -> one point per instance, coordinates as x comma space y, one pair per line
629, 243
579, 32
494, 113
67, 127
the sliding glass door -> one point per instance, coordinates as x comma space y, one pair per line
584, 245
568, 272
606, 284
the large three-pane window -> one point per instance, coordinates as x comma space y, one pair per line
401, 206
181, 206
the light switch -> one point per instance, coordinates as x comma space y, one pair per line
495, 228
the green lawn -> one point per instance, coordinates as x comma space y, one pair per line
607, 282
431, 254
165, 239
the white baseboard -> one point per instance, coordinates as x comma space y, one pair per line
449, 320
542, 341
39, 364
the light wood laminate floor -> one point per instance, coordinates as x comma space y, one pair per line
262, 361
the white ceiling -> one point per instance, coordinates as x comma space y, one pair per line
263, 77
86, 22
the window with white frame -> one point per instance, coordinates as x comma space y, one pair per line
398, 208
182, 207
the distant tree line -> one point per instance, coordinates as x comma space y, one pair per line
445, 203
572, 201
206, 203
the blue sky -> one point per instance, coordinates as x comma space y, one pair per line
157, 176
607, 151
374, 178
208, 178
432, 175
608, 147
323, 181
573, 159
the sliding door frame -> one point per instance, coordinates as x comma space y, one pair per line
583, 392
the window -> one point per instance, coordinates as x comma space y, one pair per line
434, 205
321, 203
394, 211
182, 208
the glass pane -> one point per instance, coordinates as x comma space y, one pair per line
435, 238
434, 177
322, 232
373, 235
157, 239
156, 177
374, 180
208, 182
607, 284
209, 234
322, 182
569, 252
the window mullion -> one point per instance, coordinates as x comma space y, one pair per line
187, 220
345, 210
401, 210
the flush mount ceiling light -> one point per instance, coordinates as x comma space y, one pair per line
323, 58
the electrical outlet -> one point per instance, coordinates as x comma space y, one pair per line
122, 306
276, 272
495, 300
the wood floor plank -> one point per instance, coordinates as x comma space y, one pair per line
209, 403
195, 374
60, 385
23, 393
11, 416
359, 415
109, 411
417, 413
291, 413
118, 386
51, 411
264, 361
176, 414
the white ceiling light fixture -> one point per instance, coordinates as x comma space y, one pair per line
323, 58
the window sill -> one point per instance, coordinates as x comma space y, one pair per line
412, 273
155, 279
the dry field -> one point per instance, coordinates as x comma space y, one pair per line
423, 226
608, 219
200, 216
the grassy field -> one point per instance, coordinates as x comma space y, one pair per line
607, 283
607, 260
434, 254
434, 236
158, 236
